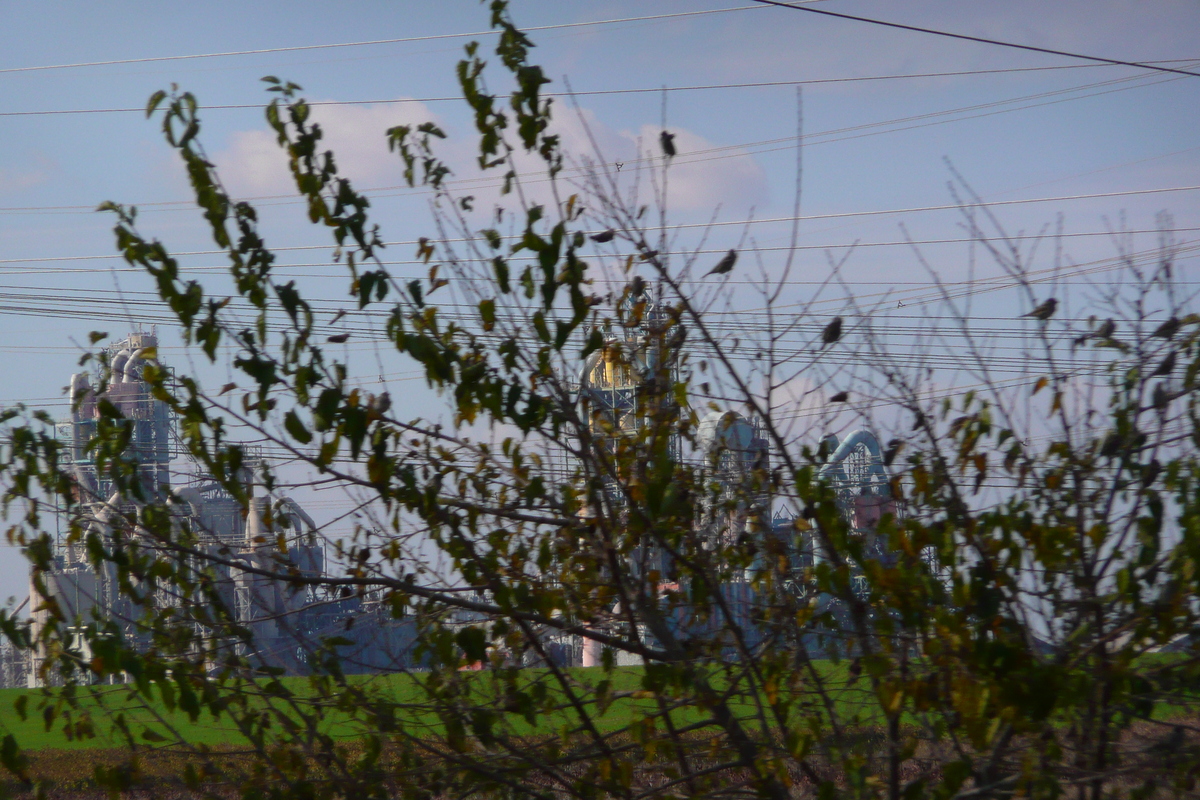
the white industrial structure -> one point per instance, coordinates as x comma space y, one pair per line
274, 534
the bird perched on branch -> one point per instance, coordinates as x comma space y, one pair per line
832, 332
1045, 311
380, 403
1169, 328
1104, 332
1167, 366
725, 264
840, 397
667, 140
604, 236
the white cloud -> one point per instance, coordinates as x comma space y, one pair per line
14, 180
701, 177
699, 180
253, 164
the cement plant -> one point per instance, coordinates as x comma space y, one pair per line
275, 534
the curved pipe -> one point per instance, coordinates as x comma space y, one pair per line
833, 465
118, 366
295, 508
132, 365
101, 517
190, 495
86, 481
843, 451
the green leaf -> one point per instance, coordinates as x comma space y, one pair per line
296, 428
487, 313
154, 102
473, 644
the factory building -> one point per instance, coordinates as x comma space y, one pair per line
273, 535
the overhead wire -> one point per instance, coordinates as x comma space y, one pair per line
794, 6
6, 265
742, 325
945, 289
65, 305
908, 119
370, 42
191, 205
721, 152
601, 92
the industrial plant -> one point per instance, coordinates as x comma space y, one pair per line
273, 534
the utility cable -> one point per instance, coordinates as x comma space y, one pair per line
727, 151
370, 42
765, 220
603, 92
712, 251
980, 39
699, 156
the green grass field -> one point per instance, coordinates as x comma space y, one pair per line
104, 705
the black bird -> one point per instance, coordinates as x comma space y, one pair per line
840, 397
338, 338
380, 403
832, 332
1169, 328
668, 143
725, 264
1045, 311
676, 337
1105, 332
1150, 473
1161, 397
1111, 445
604, 236
893, 449
1167, 365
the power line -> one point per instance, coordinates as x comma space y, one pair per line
370, 42
824, 137
602, 92
695, 157
980, 39
724, 151
944, 113
765, 220
855, 245
947, 290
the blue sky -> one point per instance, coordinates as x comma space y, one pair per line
1012, 135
